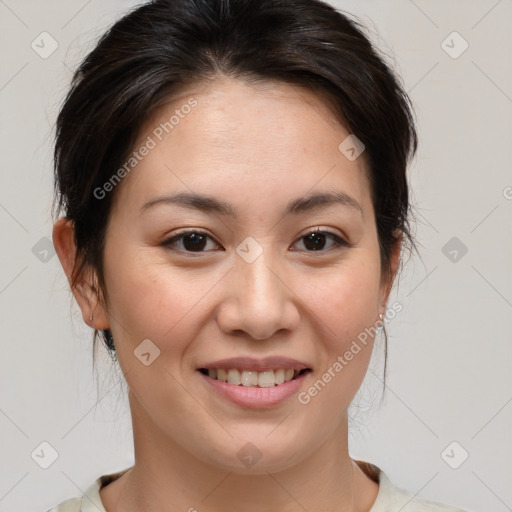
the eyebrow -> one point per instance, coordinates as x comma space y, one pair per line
209, 204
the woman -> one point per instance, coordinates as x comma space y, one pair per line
233, 180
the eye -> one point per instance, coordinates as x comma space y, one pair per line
191, 241
196, 241
315, 241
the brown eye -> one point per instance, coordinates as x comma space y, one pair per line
190, 241
316, 241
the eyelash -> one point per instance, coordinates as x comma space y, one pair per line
339, 243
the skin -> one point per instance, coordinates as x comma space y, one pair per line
256, 147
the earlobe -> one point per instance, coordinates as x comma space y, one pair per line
85, 290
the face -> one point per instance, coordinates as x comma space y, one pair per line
251, 272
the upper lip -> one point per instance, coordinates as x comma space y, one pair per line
257, 365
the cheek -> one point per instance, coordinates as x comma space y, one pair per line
149, 298
346, 303
345, 297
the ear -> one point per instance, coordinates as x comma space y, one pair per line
86, 290
387, 280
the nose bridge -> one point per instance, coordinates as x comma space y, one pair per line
257, 301
260, 282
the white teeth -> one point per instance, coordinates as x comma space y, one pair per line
279, 374
249, 378
265, 379
234, 377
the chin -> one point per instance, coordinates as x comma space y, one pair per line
256, 454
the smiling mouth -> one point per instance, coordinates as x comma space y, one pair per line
265, 379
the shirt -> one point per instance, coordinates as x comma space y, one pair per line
390, 498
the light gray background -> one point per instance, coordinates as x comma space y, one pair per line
450, 356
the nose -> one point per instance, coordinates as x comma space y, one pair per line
259, 299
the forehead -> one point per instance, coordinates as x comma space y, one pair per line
235, 139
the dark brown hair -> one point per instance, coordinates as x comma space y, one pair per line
165, 45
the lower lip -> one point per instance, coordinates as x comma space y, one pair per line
253, 397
